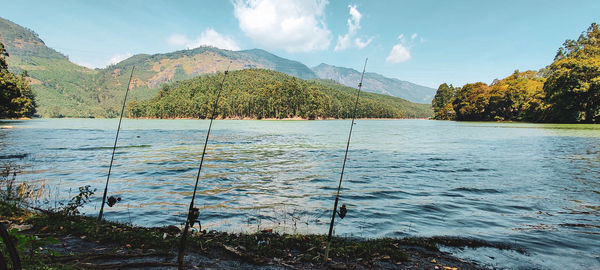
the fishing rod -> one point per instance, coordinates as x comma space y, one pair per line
343, 210
193, 212
112, 200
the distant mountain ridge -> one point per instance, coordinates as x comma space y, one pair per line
376, 83
65, 89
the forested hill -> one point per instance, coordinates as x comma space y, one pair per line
259, 93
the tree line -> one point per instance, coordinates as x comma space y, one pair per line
260, 93
567, 91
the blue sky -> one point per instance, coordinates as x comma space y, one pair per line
426, 42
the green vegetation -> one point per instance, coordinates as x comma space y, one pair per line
16, 97
568, 91
258, 93
442, 102
516, 97
573, 85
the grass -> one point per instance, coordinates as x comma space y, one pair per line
255, 248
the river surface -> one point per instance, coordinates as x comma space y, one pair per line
535, 186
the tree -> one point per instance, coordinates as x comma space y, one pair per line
511, 98
3, 55
573, 85
442, 102
16, 97
471, 102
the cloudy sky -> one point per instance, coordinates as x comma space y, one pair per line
428, 42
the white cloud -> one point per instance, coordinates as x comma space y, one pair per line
178, 40
295, 26
119, 57
343, 43
213, 38
398, 54
348, 41
361, 44
354, 20
209, 37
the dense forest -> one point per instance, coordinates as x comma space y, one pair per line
567, 91
260, 93
16, 97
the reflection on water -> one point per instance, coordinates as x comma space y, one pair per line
532, 185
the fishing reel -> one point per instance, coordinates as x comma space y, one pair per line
343, 211
112, 200
193, 217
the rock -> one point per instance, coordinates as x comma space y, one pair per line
171, 229
22, 227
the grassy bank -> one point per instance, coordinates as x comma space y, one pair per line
50, 240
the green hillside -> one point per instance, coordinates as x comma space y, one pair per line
61, 87
260, 93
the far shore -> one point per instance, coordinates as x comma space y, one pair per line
226, 118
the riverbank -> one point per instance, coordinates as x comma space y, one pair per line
60, 241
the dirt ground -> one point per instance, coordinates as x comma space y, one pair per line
79, 252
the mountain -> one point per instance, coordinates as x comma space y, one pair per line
376, 83
154, 70
65, 89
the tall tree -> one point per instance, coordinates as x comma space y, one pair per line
573, 85
16, 97
3, 55
471, 102
442, 102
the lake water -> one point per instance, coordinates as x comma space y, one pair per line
530, 185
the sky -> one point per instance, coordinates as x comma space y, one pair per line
428, 42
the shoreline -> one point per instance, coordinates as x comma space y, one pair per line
77, 240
